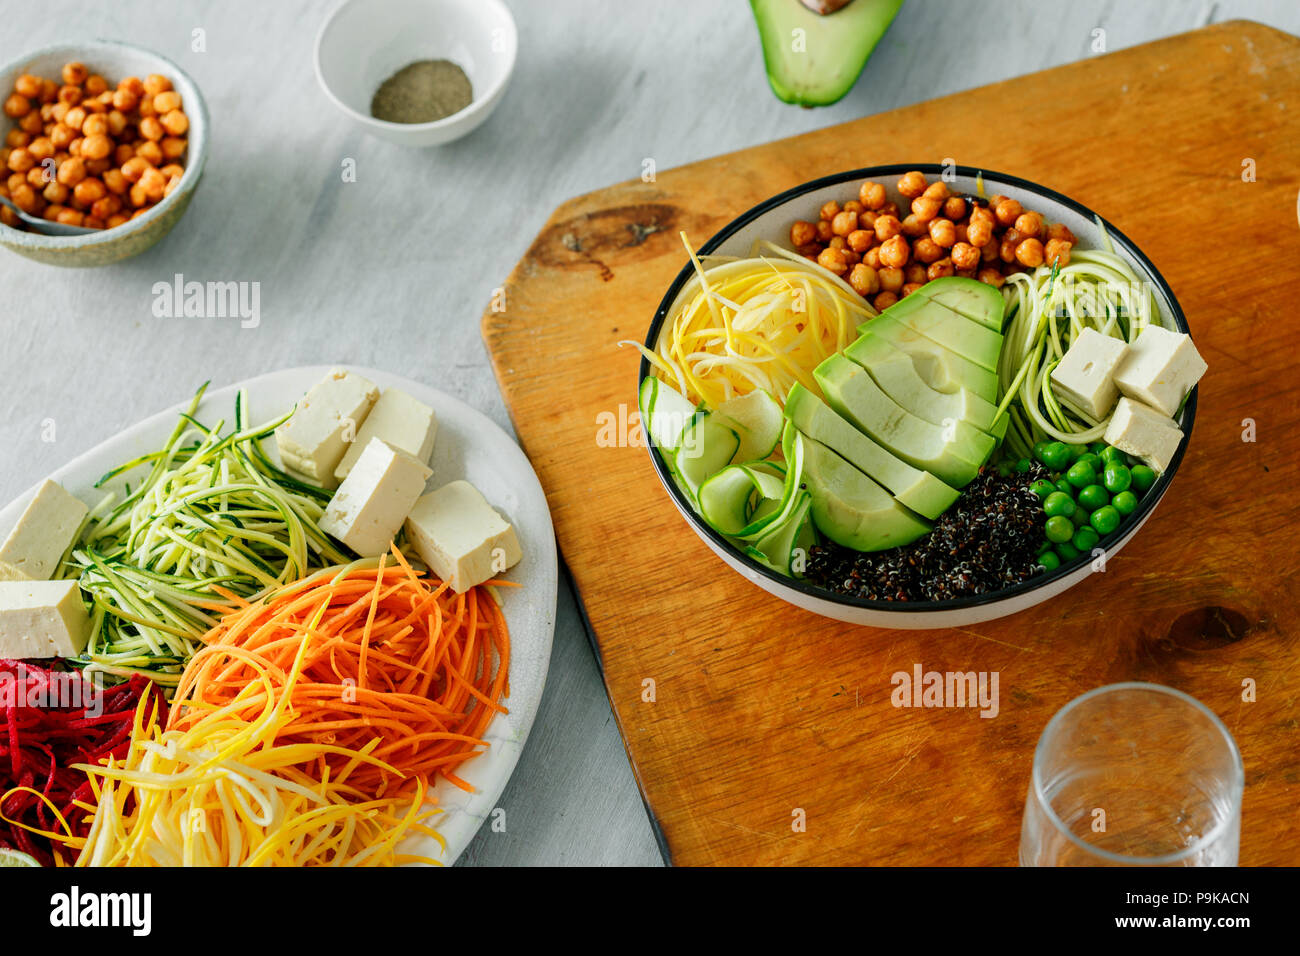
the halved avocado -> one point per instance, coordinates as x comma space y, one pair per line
814, 59
976, 300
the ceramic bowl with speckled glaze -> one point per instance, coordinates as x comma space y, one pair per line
113, 60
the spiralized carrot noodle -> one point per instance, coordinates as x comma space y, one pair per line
223, 793
394, 663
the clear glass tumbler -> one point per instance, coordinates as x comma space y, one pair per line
1134, 775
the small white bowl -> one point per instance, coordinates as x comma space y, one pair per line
114, 61
364, 42
772, 220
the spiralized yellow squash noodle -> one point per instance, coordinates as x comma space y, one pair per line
762, 322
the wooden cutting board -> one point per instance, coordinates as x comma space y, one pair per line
762, 713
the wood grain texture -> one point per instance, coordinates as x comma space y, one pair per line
761, 708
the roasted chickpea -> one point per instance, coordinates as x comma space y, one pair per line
924, 208
17, 138
145, 106
9, 217
864, 280
914, 226
115, 182
141, 211
92, 222
74, 148
32, 123
938, 270
910, 287
838, 242
132, 84
914, 273
25, 198
954, 208
121, 153
891, 278
844, 223
36, 178
47, 112
1007, 250
1057, 252
912, 184
96, 147
138, 196
810, 251
41, 148
1029, 224
887, 227
125, 100
884, 300
872, 257
75, 118
854, 206
889, 209
895, 252
75, 73
824, 231
943, 232
17, 105
21, 160
105, 206
70, 95
1029, 253
134, 168
937, 190
867, 219
991, 276
58, 111
97, 167
176, 123
56, 192
155, 83
830, 209
860, 240
28, 86
927, 250
151, 128
1007, 211
94, 105
71, 217
965, 256
15, 180
172, 169
851, 258
112, 222
801, 233
95, 124
88, 192
832, 260
72, 171
1062, 232
872, 194
49, 91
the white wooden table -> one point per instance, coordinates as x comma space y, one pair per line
395, 269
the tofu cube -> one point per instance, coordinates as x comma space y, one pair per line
313, 441
42, 619
1085, 377
1161, 367
1145, 433
45, 530
368, 509
405, 423
461, 537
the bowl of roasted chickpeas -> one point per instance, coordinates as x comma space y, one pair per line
100, 135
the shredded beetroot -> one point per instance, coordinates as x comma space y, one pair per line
39, 744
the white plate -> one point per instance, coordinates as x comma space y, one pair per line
469, 446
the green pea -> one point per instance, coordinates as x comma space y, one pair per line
1098, 447
1143, 478
1048, 561
1084, 539
1112, 455
1058, 504
1059, 529
1080, 517
1076, 451
1117, 478
1039, 449
1042, 487
1044, 547
1093, 497
1055, 456
1005, 469
1093, 461
1081, 474
1125, 502
1105, 520
1064, 486
1023, 466
1067, 551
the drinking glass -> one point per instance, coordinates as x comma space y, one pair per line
1133, 774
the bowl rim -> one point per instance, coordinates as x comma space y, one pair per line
196, 147
803, 587
477, 104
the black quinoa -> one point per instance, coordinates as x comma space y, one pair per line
987, 541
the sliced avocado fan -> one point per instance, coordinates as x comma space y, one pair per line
813, 59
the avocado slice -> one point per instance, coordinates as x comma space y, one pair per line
814, 59
915, 489
896, 373
954, 454
943, 368
976, 300
850, 508
954, 331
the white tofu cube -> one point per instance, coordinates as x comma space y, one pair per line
1085, 377
368, 509
42, 619
405, 423
461, 537
1145, 433
313, 441
43, 533
1161, 367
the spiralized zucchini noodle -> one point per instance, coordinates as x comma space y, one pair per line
213, 517
1050, 308
762, 322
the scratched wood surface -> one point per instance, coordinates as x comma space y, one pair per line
762, 710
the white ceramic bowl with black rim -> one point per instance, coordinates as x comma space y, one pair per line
771, 220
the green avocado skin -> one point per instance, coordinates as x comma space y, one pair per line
820, 65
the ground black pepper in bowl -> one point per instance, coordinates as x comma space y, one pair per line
987, 541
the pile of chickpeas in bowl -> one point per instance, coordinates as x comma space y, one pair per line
885, 256
84, 153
